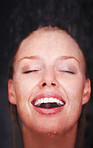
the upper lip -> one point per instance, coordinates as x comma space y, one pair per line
47, 95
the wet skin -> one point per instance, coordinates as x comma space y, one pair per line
49, 56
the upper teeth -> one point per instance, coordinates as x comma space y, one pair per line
48, 100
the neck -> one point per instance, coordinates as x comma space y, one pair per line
54, 140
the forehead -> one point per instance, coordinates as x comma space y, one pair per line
49, 43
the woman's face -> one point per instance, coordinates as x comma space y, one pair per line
49, 85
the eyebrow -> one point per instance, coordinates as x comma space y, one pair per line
67, 57
59, 58
30, 57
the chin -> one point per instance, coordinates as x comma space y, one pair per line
48, 128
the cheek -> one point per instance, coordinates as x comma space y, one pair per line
74, 90
73, 86
23, 91
24, 87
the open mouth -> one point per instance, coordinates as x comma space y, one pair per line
48, 103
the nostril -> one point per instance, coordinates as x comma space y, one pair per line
53, 84
44, 84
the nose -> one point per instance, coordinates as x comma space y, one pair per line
49, 79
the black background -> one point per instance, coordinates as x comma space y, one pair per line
6, 125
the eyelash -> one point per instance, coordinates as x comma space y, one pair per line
70, 72
29, 71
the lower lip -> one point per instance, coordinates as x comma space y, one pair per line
48, 111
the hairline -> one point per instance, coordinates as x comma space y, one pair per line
52, 29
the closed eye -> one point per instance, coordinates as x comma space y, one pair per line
30, 71
71, 72
67, 71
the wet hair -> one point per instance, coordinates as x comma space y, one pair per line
13, 108
46, 28
28, 17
